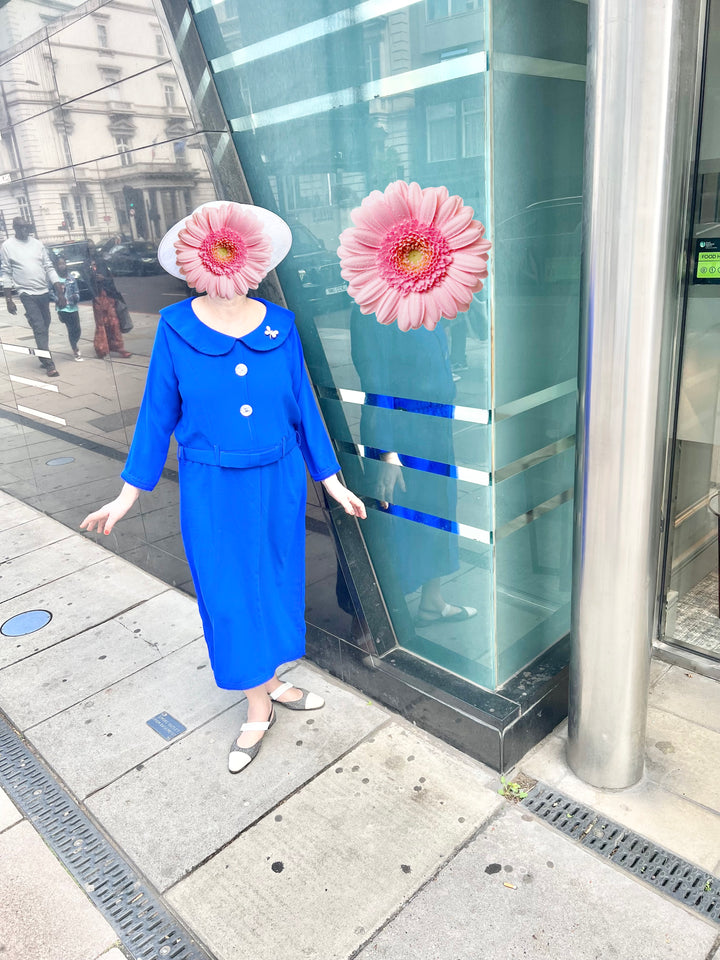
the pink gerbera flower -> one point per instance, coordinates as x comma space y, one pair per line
223, 250
413, 255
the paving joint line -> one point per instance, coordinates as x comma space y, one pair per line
276, 806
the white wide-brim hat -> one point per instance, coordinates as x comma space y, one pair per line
273, 225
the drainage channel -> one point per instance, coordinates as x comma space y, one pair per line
146, 928
671, 875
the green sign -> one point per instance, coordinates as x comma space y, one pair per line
707, 260
708, 266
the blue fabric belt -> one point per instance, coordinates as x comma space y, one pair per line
236, 458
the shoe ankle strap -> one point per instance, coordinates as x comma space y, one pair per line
283, 688
255, 725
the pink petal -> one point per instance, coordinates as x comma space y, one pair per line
396, 198
447, 211
471, 262
430, 202
357, 261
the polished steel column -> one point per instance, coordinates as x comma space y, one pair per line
641, 103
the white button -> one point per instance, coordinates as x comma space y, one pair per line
246, 409
241, 369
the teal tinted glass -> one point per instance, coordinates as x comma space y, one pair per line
460, 438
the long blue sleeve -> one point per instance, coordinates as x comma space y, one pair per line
315, 444
158, 417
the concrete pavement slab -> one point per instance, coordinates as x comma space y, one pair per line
29, 536
686, 828
77, 601
681, 756
14, 513
32, 570
688, 695
190, 806
44, 915
521, 890
316, 876
57, 678
101, 738
9, 813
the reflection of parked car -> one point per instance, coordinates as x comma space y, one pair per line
539, 248
318, 270
136, 258
74, 255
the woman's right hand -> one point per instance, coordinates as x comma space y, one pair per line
104, 519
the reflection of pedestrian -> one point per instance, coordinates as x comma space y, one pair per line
26, 265
389, 363
69, 314
105, 296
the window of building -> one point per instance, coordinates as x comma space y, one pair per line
159, 45
441, 9
90, 211
67, 211
102, 36
441, 132
24, 209
123, 146
472, 127
79, 214
372, 59
169, 94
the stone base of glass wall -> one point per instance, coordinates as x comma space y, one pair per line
496, 728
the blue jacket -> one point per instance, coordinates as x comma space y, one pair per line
231, 402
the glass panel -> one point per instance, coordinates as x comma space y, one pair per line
20, 19
538, 124
27, 84
326, 106
105, 47
692, 614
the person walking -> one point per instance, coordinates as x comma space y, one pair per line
227, 376
25, 265
69, 314
105, 297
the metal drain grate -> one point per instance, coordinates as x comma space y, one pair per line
145, 926
698, 890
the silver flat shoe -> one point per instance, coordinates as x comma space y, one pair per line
241, 757
308, 701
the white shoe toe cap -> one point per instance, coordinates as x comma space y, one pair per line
314, 701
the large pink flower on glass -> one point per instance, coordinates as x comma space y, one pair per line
223, 250
413, 255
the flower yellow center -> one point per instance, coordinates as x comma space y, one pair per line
224, 251
415, 259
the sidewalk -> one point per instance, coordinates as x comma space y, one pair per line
353, 835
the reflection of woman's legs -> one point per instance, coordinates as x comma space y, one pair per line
100, 341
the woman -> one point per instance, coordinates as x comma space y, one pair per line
105, 300
227, 376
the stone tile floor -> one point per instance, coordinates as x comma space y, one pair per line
352, 835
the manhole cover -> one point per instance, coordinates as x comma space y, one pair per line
27, 622
59, 461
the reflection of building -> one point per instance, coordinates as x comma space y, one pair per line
92, 143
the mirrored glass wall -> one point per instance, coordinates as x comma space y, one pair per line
460, 439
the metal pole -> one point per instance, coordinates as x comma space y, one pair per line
640, 115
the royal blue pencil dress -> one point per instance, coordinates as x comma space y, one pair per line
246, 422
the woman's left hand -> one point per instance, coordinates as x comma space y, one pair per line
346, 498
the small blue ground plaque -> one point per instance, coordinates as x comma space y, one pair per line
23, 623
168, 727
59, 461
